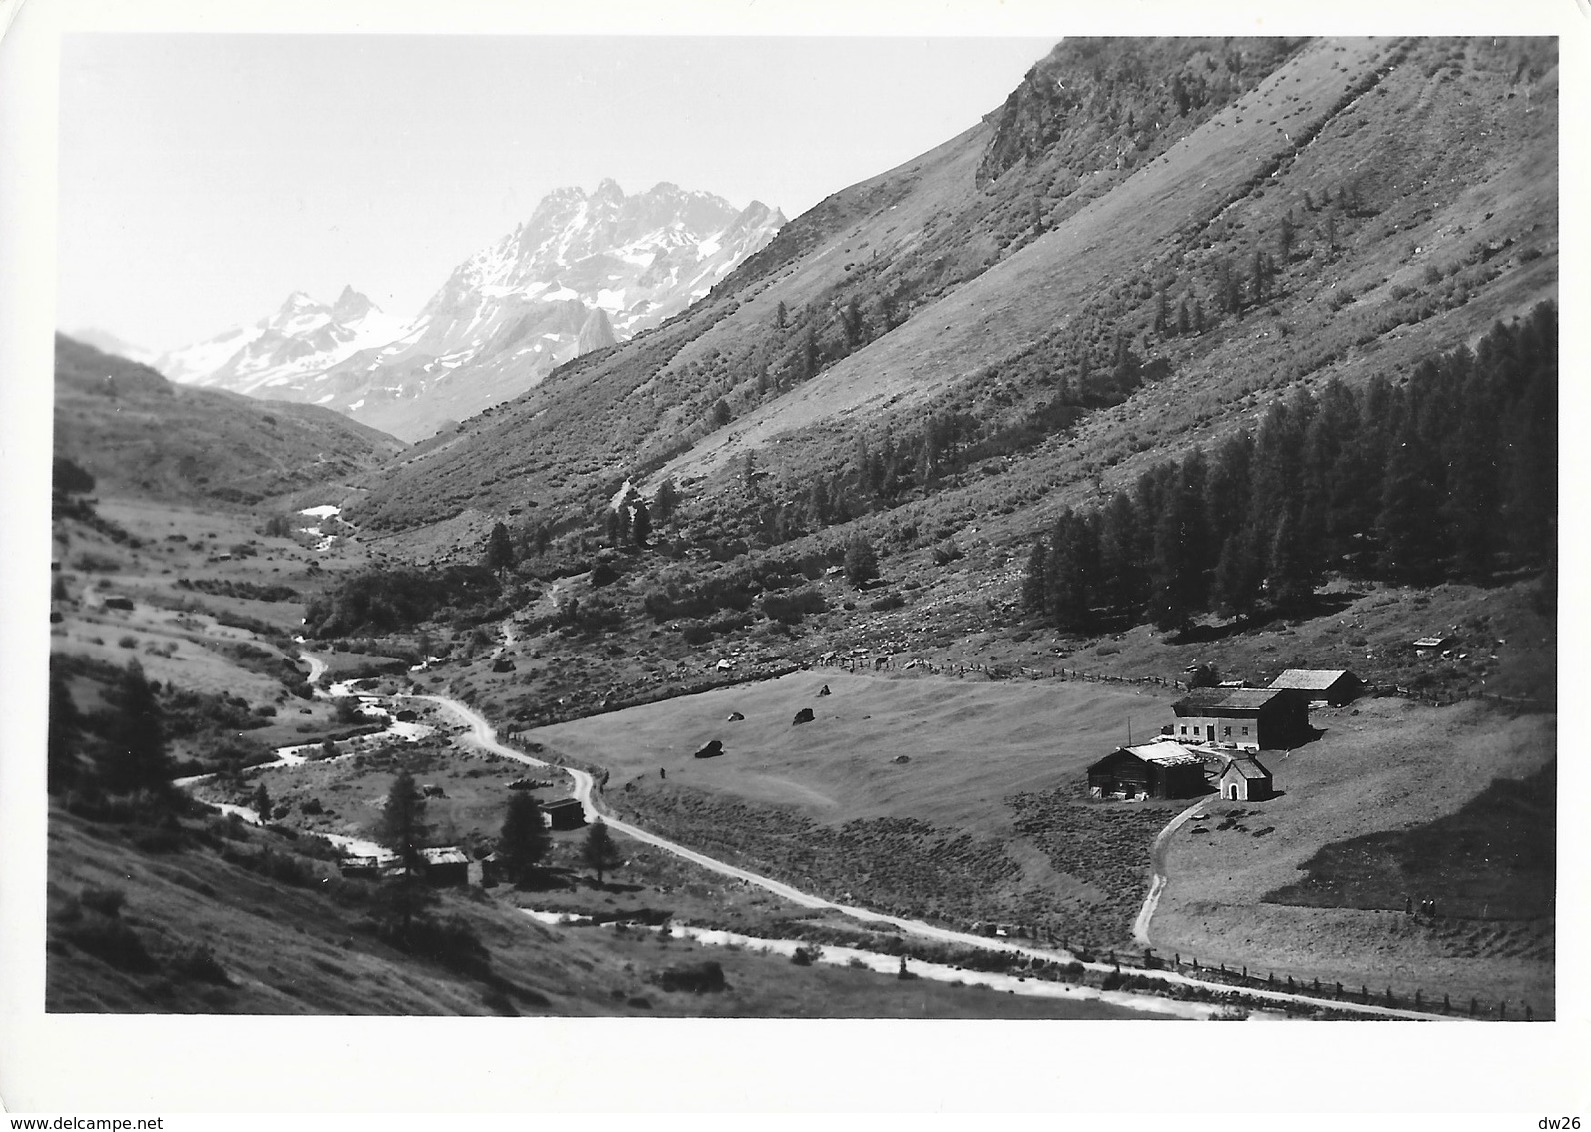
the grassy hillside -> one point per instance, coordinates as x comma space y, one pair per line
140, 435
243, 922
1303, 898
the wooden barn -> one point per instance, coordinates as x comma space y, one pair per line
1245, 779
1250, 718
565, 813
1334, 686
1153, 770
447, 865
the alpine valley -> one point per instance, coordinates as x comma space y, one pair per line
898, 585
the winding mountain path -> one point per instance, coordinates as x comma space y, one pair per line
1157, 885
485, 736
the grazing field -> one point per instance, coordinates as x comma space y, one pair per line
1494, 859
984, 818
967, 744
1387, 769
951, 799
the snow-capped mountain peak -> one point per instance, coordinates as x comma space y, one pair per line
302, 336
584, 271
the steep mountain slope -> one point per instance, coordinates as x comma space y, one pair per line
1117, 262
141, 435
302, 337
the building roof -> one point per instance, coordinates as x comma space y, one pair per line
1248, 766
1309, 679
445, 855
1165, 754
362, 860
1201, 700
562, 804
1430, 642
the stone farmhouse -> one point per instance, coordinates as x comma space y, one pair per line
1248, 718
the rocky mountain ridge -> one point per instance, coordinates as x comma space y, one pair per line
584, 272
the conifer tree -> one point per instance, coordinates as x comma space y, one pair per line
1287, 576
1072, 566
403, 830
1177, 584
861, 563
666, 501
524, 840
1033, 587
1238, 573
1472, 509
139, 744
499, 550
599, 852
640, 523
1408, 527
1122, 582
1226, 490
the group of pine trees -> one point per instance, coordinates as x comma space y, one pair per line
525, 843
120, 749
1450, 474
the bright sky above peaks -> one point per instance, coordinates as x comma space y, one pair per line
205, 177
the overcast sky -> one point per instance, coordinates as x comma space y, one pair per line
204, 177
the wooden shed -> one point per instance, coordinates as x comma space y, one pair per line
1250, 718
1332, 686
1153, 770
446, 865
1245, 779
565, 813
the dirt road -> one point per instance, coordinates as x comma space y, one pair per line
1157, 885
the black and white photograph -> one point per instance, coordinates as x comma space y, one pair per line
1015, 522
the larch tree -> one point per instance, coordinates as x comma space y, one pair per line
861, 562
599, 851
1033, 580
640, 523
666, 501
499, 550
524, 841
403, 830
139, 745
